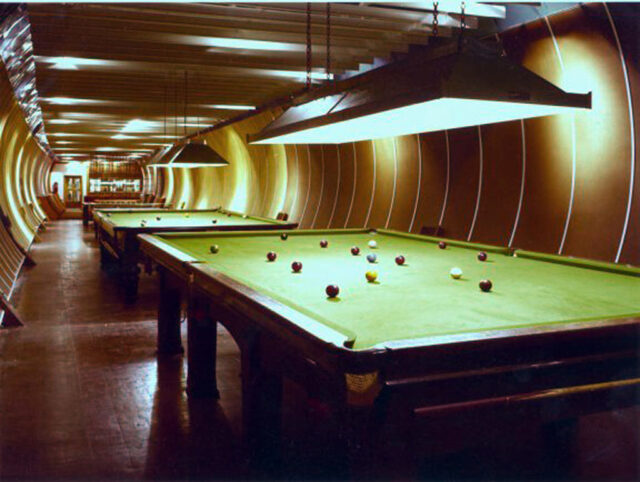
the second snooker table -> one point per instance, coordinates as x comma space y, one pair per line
117, 231
554, 339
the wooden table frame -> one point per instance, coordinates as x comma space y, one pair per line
89, 207
552, 374
120, 248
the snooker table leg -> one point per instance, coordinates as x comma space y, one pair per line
129, 269
201, 353
169, 342
261, 409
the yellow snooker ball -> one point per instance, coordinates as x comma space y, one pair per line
371, 276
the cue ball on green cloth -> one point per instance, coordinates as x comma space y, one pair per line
214, 248
373, 244
456, 273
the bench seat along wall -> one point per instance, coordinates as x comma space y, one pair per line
566, 184
23, 170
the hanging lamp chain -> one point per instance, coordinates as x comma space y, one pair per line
308, 45
434, 32
463, 24
328, 41
186, 80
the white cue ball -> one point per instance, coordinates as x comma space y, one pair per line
373, 244
456, 273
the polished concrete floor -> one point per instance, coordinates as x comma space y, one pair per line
83, 396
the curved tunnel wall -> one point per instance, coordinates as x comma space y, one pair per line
23, 169
565, 184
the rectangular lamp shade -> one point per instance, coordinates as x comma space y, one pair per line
190, 155
462, 89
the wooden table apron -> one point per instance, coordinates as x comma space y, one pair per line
550, 373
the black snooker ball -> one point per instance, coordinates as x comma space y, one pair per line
442, 245
355, 251
214, 221
485, 285
158, 218
284, 236
214, 248
482, 256
324, 243
296, 266
332, 291
400, 260
271, 256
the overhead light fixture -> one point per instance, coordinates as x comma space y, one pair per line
231, 107
299, 75
62, 121
73, 101
469, 87
196, 154
139, 125
70, 63
191, 155
248, 44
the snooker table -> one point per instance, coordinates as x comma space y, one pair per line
117, 231
556, 338
89, 207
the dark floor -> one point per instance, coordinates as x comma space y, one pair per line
82, 394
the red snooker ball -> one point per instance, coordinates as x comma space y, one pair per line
271, 256
355, 251
442, 245
482, 256
485, 285
332, 291
324, 243
296, 266
400, 260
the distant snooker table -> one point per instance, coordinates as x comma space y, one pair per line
555, 338
117, 231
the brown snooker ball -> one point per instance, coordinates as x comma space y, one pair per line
332, 291
482, 256
284, 236
485, 285
400, 260
271, 256
214, 248
324, 243
442, 245
355, 251
296, 266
